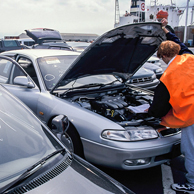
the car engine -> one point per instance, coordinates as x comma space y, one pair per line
113, 104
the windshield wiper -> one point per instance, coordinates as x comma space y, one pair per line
80, 87
100, 85
103, 85
95, 85
31, 170
89, 85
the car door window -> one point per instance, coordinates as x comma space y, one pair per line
29, 68
10, 43
5, 69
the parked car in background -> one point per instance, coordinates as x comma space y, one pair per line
34, 161
52, 45
47, 39
26, 41
155, 68
92, 88
144, 78
78, 46
7, 45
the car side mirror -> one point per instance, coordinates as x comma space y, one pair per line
60, 125
23, 81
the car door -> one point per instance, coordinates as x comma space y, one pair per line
25, 89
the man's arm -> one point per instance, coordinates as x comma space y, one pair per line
184, 48
160, 105
171, 36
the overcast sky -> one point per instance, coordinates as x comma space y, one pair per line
66, 16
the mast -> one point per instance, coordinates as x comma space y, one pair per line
172, 2
117, 14
185, 32
153, 3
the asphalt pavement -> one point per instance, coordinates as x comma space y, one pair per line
155, 180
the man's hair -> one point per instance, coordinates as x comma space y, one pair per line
168, 48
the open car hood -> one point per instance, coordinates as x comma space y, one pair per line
121, 51
41, 34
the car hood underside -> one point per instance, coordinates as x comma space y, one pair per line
121, 51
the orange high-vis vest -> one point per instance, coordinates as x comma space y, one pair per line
179, 81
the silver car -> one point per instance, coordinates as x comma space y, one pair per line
92, 89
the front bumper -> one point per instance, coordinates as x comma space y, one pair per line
158, 151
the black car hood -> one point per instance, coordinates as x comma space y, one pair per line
41, 34
121, 51
80, 177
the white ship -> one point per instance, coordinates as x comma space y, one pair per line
140, 12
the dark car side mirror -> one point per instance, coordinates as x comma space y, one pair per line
60, 125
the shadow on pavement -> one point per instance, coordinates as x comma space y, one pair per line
146, 181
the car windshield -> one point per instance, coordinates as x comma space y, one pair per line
23, 139
53, 67
91, 81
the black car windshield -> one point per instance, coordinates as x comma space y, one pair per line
53, 67
23, 139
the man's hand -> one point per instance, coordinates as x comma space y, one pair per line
164, 22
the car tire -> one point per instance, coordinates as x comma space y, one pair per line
75, 138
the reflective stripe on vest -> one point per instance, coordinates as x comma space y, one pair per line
179, 80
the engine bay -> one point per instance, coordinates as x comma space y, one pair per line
113, 104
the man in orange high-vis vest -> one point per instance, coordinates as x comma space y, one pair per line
174, 99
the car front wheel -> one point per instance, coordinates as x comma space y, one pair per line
75, 138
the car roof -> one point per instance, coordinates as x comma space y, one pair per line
37, 53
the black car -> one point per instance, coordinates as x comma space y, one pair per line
7, 45
47, 39
33, 160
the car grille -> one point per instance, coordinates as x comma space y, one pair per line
139, 80
43, 178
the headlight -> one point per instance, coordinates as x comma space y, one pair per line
132, 134
116, 135
138, 134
